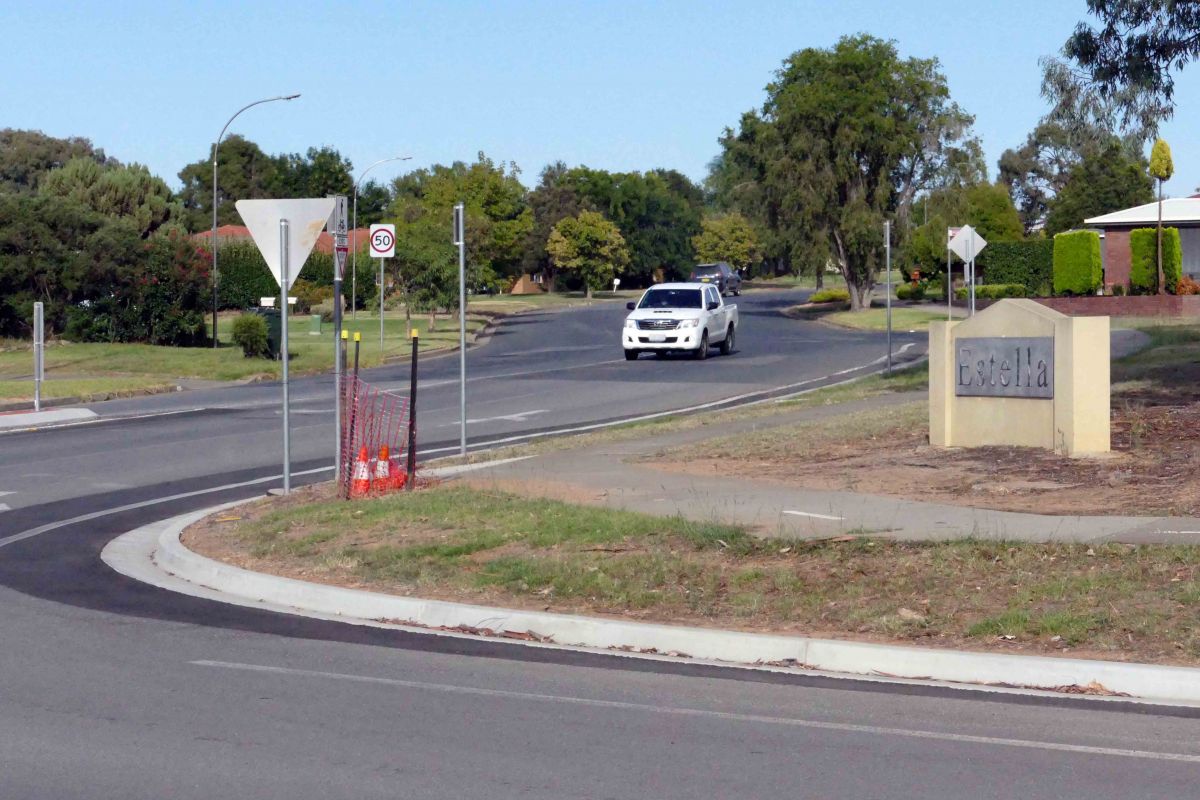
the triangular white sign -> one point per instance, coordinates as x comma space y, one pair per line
306, 219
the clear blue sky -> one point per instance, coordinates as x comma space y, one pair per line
614, 85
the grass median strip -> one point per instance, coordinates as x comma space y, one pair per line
455, 543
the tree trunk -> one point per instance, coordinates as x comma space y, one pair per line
1162, 283
589, 290
432, 321
819, 282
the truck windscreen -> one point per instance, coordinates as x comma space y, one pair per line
671, 298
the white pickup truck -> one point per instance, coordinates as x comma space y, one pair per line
679, 317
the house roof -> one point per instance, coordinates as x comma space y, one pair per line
1174, 210
358, 237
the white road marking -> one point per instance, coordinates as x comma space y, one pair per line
520, 416
810, 514
5, 507
842, 727
29, 534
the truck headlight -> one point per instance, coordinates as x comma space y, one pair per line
688, 323
629, 323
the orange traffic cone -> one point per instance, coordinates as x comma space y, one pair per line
383, 481
360, 481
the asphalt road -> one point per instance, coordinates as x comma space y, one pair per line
114, 689
539, 372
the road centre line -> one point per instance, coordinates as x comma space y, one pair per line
810, 514
840, 727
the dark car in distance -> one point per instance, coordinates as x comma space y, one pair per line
726, 278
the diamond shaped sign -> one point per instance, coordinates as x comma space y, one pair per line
966, 243
306, 219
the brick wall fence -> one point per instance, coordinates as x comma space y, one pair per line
1167, 305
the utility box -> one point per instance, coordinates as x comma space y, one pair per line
274, 329
314, 324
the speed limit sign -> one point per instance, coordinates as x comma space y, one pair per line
383, 241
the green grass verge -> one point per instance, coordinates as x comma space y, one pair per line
154, 364
87, 389
486, 546
875, 319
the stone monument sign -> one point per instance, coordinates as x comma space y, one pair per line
1019, 373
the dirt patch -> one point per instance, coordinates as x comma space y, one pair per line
1154, 468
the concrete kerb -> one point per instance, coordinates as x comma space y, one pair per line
1160, 684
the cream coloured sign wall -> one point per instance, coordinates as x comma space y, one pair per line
1019, 373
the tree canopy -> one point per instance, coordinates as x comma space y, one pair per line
26, 157
115, 190
590, 246
1104, 181
847, 137
727, 237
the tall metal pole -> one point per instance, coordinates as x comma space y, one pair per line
460, 235
971, 260
949, 283
39, 354
381, 288
284, 268
216, 147
887, 249
339, 267
354, 228
354, 258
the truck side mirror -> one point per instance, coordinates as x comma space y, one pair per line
631, 305
712, 305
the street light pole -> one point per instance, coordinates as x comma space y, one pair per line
216, 146
354, 239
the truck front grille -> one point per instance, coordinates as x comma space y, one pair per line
657, 324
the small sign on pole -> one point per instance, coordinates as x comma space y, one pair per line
967, 244
383, 241
39, 354
383, 245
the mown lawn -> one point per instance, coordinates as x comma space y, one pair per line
99, 369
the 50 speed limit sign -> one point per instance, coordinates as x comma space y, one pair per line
383, 241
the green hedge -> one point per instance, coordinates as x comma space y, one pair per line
830, 296
994, 291
1143, 263
1078, 269
244, 277
1029, 263
908, 291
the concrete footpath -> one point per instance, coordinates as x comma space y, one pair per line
609, 475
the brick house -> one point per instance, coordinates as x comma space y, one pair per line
235, 233
1177, 212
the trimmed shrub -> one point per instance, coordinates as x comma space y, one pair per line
1118, 290
1078, 269
250, 333
244, 277
910, 291
1029, 263
1187, 286
994, 291
1143, 260
830, 296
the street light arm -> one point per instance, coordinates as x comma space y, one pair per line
358, 182
213, 243
250, 105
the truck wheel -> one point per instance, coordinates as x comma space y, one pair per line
727, 342
631, 355
702, 350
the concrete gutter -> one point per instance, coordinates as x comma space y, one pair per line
173, 566
33, 419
